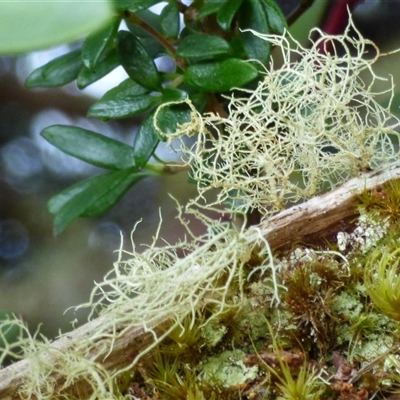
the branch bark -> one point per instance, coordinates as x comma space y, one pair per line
321, 216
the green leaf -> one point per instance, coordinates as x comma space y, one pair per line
119, 185
137, 62
58, 72
151, 19
173, 94
123, 107
199, 100
106, 64
220, 76
96, 43
91, 147
153, 47
226, 13
276, 19
32, 25
169, 19
146, 141
252, 15
134, 5
169, 117
126, 88
57, 202
92, 196
211, 7
10, 332
203, 46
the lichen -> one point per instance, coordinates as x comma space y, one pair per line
308, 126
227, 369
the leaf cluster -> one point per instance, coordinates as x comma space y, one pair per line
209, 54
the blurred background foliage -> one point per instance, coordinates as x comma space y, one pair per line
42, 275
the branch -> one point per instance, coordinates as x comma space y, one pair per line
316, 218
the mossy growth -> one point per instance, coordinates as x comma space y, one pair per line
326, 338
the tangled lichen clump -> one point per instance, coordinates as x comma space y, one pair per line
211, 273
308, 126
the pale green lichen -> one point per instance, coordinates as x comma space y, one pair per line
227, 369
308, 126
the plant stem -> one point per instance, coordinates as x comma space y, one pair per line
170, 168
134, 19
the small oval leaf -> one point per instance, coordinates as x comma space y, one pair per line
58, 72
122, 108
137, 62
147, 16
170, 117
146, 141
134, 5
91, 197
226, 13
253, 16
106, 64
220, 76
203, 46
169, 19
173, 94
126, 88
211, 7
276, 18
96, 43
90, 146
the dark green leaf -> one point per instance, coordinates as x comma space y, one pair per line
202, 46
106, 64
134, 5
199, 100
169, 117
252, 15
137, 62
92, 196
150, 19
170, 20
126, 88
276, 19
96, 43
91, 147
10, 330
211, 7
118, 187
220, 76
173, 94
146, 141
57, 72
123, 107
238, 50
186, 31
226, 13
58, 201
153, 47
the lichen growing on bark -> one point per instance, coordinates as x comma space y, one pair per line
302, 323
